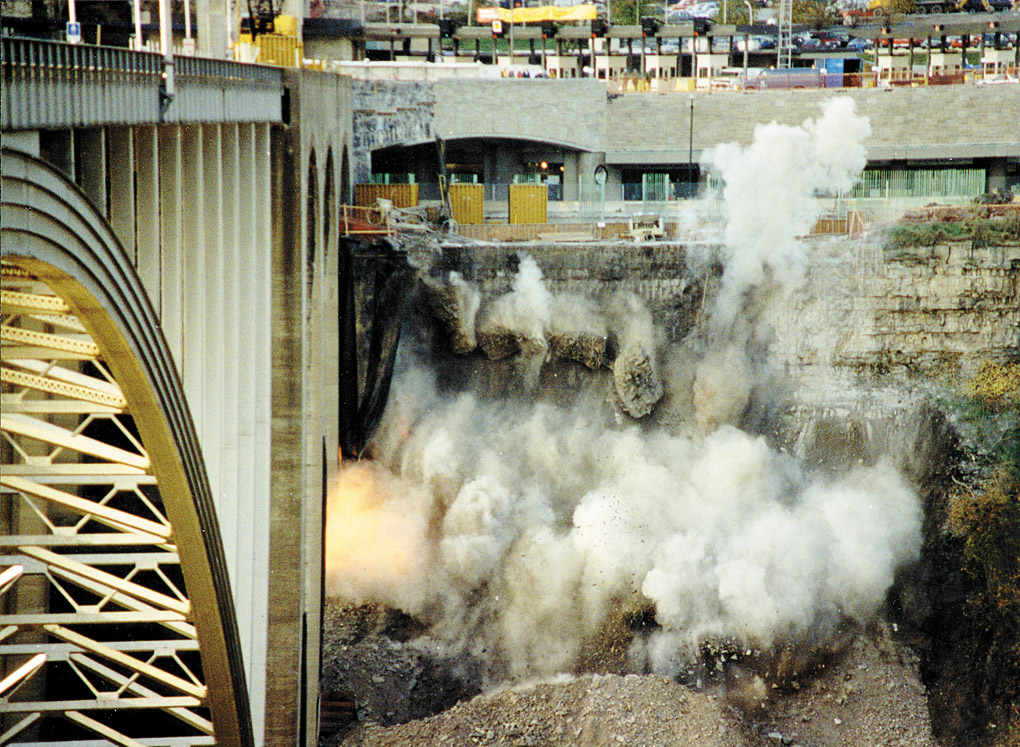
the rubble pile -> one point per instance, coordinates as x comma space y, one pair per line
863, 692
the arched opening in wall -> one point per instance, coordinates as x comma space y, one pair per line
345, 178
329, 208
311, 211
495, 163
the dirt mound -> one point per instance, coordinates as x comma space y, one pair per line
864, 693
872, 696
592, 710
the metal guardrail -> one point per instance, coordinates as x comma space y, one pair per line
228, 70
989, 75
51, 84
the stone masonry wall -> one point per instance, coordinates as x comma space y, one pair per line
568, 112
388, 113
923, 122
905, 122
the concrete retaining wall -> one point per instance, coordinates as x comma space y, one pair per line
927, 122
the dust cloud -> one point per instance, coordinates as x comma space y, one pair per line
769, 196
519, 530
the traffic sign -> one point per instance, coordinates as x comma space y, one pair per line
73, 33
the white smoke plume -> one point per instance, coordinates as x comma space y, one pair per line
516, 322
531, 524
770, 191
520, 530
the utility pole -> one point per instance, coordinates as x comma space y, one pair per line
747, 37
690, 144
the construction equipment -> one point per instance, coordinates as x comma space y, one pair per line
646, 226
261, 18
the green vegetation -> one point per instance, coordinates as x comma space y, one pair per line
971, 225
818, 14
984, 520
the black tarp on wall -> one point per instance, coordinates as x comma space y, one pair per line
374, 283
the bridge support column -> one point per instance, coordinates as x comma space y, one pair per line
91, 155
153, 213
122, 187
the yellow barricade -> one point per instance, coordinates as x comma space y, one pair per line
528, 203
280, 50
401, 195
467, 203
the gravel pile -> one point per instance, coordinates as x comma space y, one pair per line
591, 710
872, 696
407, 694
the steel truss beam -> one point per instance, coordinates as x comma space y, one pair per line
55, 432
115, 614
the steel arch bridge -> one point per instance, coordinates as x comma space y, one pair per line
116, 618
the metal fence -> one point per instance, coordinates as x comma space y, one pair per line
894, 183
53, 84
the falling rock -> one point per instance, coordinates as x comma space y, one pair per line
637, 382
454, 303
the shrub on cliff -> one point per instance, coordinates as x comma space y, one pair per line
995, 389
980, 231
984, 524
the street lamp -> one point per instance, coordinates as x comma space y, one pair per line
690, 142
747, 37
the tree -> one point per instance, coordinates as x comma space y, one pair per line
816, 13
625, 12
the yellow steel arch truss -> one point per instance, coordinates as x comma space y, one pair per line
116, 625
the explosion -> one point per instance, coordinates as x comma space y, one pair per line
519, 530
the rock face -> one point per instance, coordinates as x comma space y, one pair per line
603, 307
863, 312
863, 317
658, 274
455, 303
868, 313
851, 343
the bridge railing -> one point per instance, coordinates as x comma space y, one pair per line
53, 84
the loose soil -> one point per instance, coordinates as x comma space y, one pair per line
407, 694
